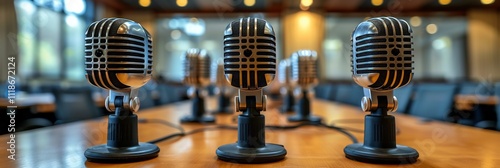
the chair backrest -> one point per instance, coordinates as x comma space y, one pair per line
171, 93
349, 94
404, 96
145, 97
321, 91
433, 101
74, 104
497, 94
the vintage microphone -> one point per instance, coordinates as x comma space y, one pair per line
286, 90
197, 74
222, 89
304, 76
382, 53
250, 65
119, 57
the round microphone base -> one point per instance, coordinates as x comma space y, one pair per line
310, 118
398, 155
105, 154
268, 153
195, 119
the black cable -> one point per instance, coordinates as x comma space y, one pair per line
342, 130
165, 122
183, 133
166, 137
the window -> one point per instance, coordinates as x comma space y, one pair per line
51, 38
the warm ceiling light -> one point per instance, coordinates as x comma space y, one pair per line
181, 3
306, 3
487, 2
431, 28
377, 2
444, 2
415, 21
144, 3
249, 2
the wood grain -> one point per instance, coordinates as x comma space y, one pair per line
439, 144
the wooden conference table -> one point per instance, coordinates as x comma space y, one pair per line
439, 144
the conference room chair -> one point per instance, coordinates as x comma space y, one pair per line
74, 104
322, 91
433, 101
497, 94
171, 93
482, 116
349, 93
404, 96
146, 98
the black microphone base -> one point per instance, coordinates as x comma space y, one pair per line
398, 155
310, 118
105, 154
196, 119
268, 153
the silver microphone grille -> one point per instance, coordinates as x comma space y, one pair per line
284, 72
382, 53
118, 54
249, 53
304, 69
196, 67
218, 77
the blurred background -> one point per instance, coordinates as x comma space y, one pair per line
456, 47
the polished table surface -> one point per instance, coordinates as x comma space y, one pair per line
439, 144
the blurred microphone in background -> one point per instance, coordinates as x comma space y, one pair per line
286, 90
222, 89
304, 77
382, 53
119, 57
250, 65
197, 75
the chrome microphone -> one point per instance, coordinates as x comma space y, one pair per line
286, 90
304, 76
250, 65
382, 53
118, 57
196, 70
222, 89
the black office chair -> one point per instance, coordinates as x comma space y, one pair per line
482, 116
404, 96
74, 104
497, 93
146, 98
433, 101
321, 91
349, 94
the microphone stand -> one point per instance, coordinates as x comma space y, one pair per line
223, 102
251, 146
122, 139
198, 110
303, 109
380, 133
288, 100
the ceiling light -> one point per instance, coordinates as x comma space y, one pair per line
415, 21
144, 3
249, 2
431, 28
377, 2
487, 2
444, 2
181, 3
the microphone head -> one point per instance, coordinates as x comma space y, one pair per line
249, 53
304, 69
217, 76
118, 54
382, 53
284, 72
196, 67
